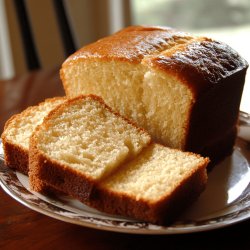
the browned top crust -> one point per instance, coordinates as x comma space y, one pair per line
131, 44
199, 62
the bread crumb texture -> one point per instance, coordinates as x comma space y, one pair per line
89, 138
155, 173
118, 68
19, 129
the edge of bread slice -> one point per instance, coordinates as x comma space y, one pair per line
155, 187
19, 128
81, 142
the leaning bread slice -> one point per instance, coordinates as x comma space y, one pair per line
17, 132
79, 143
155, 187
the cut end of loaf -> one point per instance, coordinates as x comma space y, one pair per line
139, 94
118, 68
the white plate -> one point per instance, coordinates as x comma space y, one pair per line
225, 201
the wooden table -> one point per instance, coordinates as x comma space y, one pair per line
22, 228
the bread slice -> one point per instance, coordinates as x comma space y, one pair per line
156, 186
93, 154
177, 86
81, 142
19, 128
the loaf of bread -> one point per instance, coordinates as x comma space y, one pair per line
19, 128
81, 142
84, 149
184, 90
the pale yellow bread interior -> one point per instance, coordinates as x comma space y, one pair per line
89, 138
128, 89
20, 127
156, 173
155, 187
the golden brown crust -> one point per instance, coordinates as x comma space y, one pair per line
163, 211
218, 149
213, 118
15, 156
131, 44
201, 64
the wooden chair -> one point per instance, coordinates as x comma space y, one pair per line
44, 33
